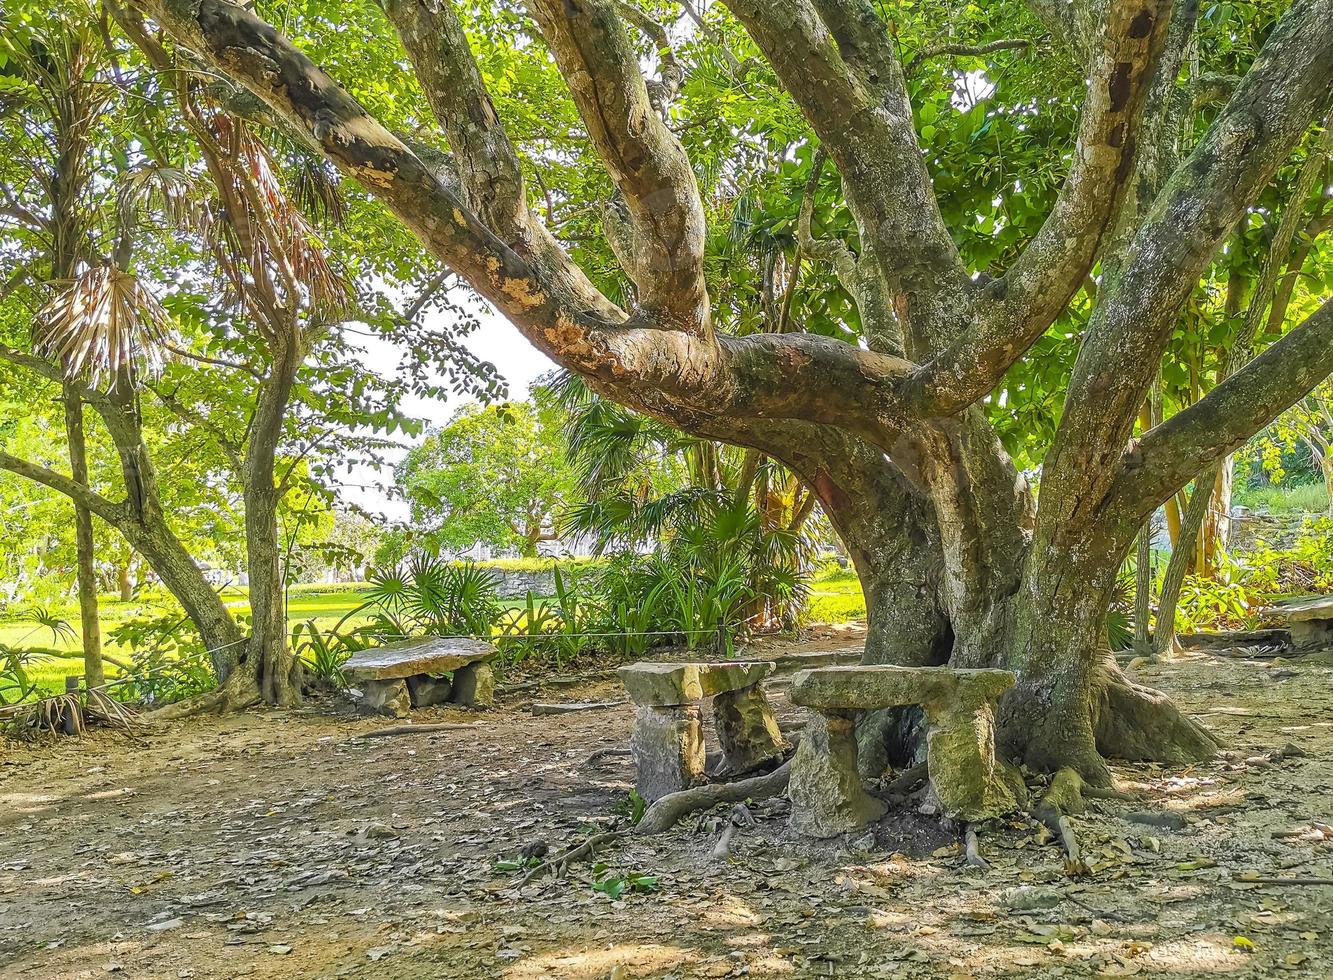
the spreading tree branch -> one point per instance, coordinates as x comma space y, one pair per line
1219, 423
958, 50
1287, 86
838, 62
75, 491
643, 157
1017, 309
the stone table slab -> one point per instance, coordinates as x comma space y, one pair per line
407, 658
665, 684
864, 687
1304, 611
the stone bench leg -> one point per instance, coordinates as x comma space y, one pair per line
1311, 634
427, 691
747, 729
960, 755
668, 749
827, 796
474, 686
387, 697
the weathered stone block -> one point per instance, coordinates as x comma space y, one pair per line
387, 697
827, 796
1309, 620
427, 691
668, 749
474, 686
960, 754
970, 783
866, 687
747, 729
686, 683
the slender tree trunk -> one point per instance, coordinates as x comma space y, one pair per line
125, 580
93, 673
146, 529
269, 665
269, 671
174, 565
1143, 590
1164, 640
1326, 466
1217, 520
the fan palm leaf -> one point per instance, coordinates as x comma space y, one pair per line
102, 324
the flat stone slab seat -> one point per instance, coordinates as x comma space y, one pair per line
1310, 621
827, 795
399, 676
668, 741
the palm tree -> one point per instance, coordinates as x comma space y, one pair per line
277, 277
709, 509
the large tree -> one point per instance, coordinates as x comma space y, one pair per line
958, 563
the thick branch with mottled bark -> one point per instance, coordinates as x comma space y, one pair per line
670, 373
1285, 89
487, 163
1220, 422
836, 59
1016, 310
643, 157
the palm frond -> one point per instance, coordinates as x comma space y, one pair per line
103, 323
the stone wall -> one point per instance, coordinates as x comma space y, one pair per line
516, 583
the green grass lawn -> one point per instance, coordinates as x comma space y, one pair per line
325, 604
835, 597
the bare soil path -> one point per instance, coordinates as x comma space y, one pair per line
278, 845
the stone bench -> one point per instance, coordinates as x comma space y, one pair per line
399, 676
827, 795
668, 743
1310, 622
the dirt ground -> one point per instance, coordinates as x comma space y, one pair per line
279, 845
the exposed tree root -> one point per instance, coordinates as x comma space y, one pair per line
1143, 725
666, 813
601, 755
1063, 797
971, 851
1286, 881
413, 730
239, 693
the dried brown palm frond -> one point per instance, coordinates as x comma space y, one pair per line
67, 713
315, 191
274, 233
171, 192
105, 710
102, 324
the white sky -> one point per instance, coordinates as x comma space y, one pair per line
497, 341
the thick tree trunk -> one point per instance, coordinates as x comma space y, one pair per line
1072, 705
93, 673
